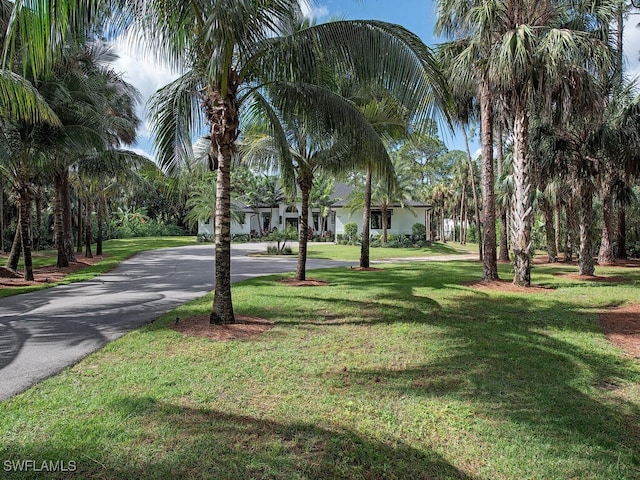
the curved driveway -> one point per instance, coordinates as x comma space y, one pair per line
43, 332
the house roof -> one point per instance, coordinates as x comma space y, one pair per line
341, 195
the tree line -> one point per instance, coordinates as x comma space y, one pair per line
262, 86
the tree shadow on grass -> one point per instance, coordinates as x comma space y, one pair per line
518, 374
174, 441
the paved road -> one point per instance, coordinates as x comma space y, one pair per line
43, 332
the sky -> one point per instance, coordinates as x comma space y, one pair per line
417, 16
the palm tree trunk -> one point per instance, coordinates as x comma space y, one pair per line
221, 110
99, 219
503, 253
87, 229
79, 242
522, 208
557, 217
490, 262
60, 220
586, 211
37, 234
24, 204
547, 213
305, 182
383, 210
621, 233
476, 203
1, 216
464, 185
605, 255
16, 247
571, 211
366, 221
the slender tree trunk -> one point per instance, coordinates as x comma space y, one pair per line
24, 204
87, 229
462, 213
621, 233
99, 219
605, 255
37, 234
366, 221
503, 254
476, 203
490, 262
522, 208
222, 113
550, 235
16, 247
1, 216
60, 220
385, 227
571, 210
305, 182
79, 242
586, 211
67, 215
557, 217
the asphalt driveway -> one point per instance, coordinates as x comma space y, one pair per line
43, 332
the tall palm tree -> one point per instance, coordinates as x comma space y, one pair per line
473, 28
227, 49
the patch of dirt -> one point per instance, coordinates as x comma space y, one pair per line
592, 278
309, 282
244, 327
621, 325
507, 286
50, 274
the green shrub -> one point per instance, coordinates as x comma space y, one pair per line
418, 232
351, 232
205, 237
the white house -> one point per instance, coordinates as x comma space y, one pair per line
264, 219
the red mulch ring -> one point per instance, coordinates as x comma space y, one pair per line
507, 286
309, 282
593, 278
622, 327
244, 327
50, 274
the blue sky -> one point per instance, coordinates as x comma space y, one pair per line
415, 15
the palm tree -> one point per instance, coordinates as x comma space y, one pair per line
229, 50
529, 49
384, 194
472, 26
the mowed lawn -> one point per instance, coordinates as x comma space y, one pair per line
402, 373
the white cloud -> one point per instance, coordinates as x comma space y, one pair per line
631, 42
314, 12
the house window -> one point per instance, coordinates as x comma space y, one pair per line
376, 219
316, 221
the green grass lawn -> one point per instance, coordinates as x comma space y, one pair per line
352, 252
402, 373
115, 251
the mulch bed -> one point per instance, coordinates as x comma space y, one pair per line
507, 286
244, 327
50, 274
593, 278
621, 325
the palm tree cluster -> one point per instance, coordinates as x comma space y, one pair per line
547, 79
261, 86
